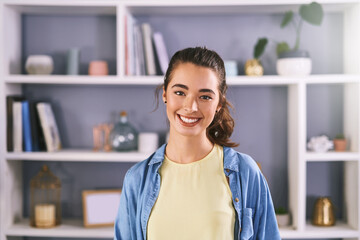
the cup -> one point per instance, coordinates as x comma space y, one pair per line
98, 68
148, 142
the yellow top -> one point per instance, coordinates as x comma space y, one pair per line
194, 202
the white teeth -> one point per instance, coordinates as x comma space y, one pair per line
189, 120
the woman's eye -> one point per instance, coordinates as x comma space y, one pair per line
206, 97
180, 93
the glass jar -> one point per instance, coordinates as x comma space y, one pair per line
124, 136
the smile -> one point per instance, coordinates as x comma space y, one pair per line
188, 120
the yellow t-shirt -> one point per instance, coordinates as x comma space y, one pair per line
194, 202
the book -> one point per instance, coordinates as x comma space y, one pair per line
161, 53
148, 49
139, 51
49, 126
37, 136
26, 127
9, 120
17, 127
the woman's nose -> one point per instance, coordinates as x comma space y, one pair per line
190, 104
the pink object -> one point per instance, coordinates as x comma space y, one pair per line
98, 68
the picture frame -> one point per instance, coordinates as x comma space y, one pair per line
100, 207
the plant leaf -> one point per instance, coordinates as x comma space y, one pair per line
282, 47
260, 47
287, 18
312, 13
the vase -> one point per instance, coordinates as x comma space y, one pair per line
294, 63
123, 136
231, 68
98, 68
73, 61
39, 65
323, 214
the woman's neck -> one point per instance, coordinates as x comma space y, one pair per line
185, 149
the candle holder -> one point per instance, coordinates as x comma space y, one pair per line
45, 208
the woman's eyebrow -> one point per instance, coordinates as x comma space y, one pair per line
180, 86
207, 90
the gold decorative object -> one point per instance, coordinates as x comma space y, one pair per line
45, 208
323, 214
253, 67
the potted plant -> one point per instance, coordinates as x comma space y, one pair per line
294, 61
339, 143
282, 217
253, 66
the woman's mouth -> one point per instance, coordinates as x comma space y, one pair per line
189, 122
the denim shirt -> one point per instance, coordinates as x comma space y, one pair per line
255, 216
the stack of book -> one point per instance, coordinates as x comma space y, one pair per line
145, 50
31, 126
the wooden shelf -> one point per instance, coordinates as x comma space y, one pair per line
73, 155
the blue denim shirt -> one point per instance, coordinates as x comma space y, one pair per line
255, 216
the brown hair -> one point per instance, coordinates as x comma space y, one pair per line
222, 126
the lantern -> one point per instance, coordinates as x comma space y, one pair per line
45, 210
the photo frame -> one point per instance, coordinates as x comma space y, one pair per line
100, 207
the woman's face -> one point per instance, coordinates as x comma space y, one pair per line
192, 99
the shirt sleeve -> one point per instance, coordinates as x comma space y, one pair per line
122, 221
265, 224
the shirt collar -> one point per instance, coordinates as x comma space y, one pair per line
231, 159
158, 155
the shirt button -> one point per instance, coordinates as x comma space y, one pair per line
236, 200
227, 170
240, 230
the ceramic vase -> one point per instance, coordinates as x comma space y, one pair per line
39, 65
98, 68
294, 63
73, 61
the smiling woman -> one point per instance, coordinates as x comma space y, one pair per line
196, 186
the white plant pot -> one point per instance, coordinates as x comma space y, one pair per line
293, 66
39, 64
283, 220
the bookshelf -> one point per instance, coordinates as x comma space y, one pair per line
13, 220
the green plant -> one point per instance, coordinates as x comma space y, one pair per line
340, 136
260, 47
280, 210
311, 13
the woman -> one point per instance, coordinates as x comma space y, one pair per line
196, 186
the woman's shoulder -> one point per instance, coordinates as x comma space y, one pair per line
238, 161
137, 171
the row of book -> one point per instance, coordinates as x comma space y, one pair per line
145, 50
31, 126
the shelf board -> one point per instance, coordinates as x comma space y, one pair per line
332, 156
65, 7
68, 229
73, 155
156, 80
75, 229
340, 230
84, 80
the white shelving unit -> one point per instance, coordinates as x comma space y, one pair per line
12, 223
